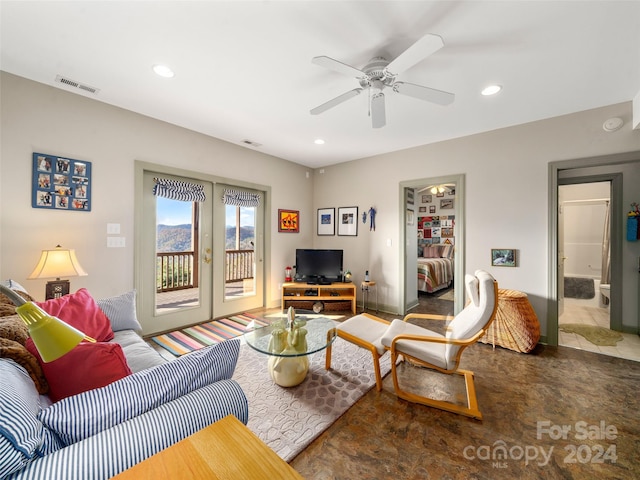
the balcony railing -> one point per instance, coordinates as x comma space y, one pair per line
239, 265
179, 270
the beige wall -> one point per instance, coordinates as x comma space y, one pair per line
506, 177
39, 118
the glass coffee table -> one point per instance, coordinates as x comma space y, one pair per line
289, 349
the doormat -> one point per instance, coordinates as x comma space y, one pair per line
576, 287
199, 336
596, 335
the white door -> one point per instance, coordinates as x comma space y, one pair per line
238, 245
561, 255
175, 285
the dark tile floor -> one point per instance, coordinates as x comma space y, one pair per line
553, 413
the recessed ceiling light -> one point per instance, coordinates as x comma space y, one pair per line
163, 71
318, 141
491, 90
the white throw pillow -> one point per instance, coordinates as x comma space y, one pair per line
121, 311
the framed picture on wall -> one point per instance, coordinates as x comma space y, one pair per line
326, 221
503, 257
289, 221
61, 183
432, 209
426, 198
446, 203
410, 219
348, 221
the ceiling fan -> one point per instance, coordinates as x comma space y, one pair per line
440, 188
379, 74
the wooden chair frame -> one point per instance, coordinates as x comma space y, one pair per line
471, 410
361, 343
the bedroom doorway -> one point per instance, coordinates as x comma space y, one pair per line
424, 214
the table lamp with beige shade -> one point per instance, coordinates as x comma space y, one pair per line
57, 263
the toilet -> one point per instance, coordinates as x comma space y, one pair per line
605, 291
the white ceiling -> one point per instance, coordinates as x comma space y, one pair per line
243, 69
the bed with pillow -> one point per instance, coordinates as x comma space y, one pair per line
104, 406
435, 268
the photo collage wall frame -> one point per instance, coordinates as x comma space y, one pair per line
437, 230
61, 183
436, 219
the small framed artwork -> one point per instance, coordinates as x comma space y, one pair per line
288, 221
326, 221
432, 209
410, 196
61, 183
422, 209
503, 257
348, 221
446, 203
426, 198
410, 219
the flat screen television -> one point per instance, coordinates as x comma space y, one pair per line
318, 266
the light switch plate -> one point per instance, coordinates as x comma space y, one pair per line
113, 228
115, 242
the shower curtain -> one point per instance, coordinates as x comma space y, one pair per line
606, 252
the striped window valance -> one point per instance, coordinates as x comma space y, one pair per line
177, 190
240, 199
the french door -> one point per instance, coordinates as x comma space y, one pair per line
238, 243
176, 246
196, 260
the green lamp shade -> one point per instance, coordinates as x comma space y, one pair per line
52, 337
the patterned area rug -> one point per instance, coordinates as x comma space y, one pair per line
289, 419
200, 336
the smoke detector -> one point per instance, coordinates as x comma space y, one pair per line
612, 124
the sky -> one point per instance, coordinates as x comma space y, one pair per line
173, 212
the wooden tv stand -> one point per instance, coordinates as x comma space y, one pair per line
335, 292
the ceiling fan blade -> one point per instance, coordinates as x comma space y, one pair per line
337, 66
427, 45
424, 93
378, 115
336, 101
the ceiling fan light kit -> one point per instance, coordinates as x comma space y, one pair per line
379, 74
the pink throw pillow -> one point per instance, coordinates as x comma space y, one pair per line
88, 366
81, 311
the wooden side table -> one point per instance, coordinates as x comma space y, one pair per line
224, 450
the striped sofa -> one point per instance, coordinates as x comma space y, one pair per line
101, 432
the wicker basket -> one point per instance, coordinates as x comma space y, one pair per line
516, 325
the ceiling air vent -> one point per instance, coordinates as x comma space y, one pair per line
251, 144
73, 84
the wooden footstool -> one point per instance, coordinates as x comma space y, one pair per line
365, 331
